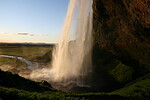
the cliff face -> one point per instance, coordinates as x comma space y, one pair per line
123, 28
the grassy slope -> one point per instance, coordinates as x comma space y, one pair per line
15, 87
17, 94
108, 72
137, 90
140, 87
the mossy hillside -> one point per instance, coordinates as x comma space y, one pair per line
140, 87
108, 69
7, 79
17, 94
13, 86
136, 90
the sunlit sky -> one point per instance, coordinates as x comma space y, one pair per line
37, 21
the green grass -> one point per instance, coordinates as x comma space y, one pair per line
16, 94
15, 87
140, 87
137, 88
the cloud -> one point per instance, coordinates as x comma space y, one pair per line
24, 34
30, 34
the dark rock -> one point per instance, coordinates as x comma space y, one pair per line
7, 79
122, 27
121, 42
45, 83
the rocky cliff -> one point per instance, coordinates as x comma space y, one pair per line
122, 27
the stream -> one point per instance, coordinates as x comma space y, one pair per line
19, 58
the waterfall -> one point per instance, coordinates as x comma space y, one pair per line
72, 55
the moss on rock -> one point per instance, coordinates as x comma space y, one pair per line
122, 73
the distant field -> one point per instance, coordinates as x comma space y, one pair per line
32, 53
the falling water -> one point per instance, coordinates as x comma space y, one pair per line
72, 55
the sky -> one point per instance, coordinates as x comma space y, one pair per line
36, 21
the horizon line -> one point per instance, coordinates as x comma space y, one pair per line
28, 43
